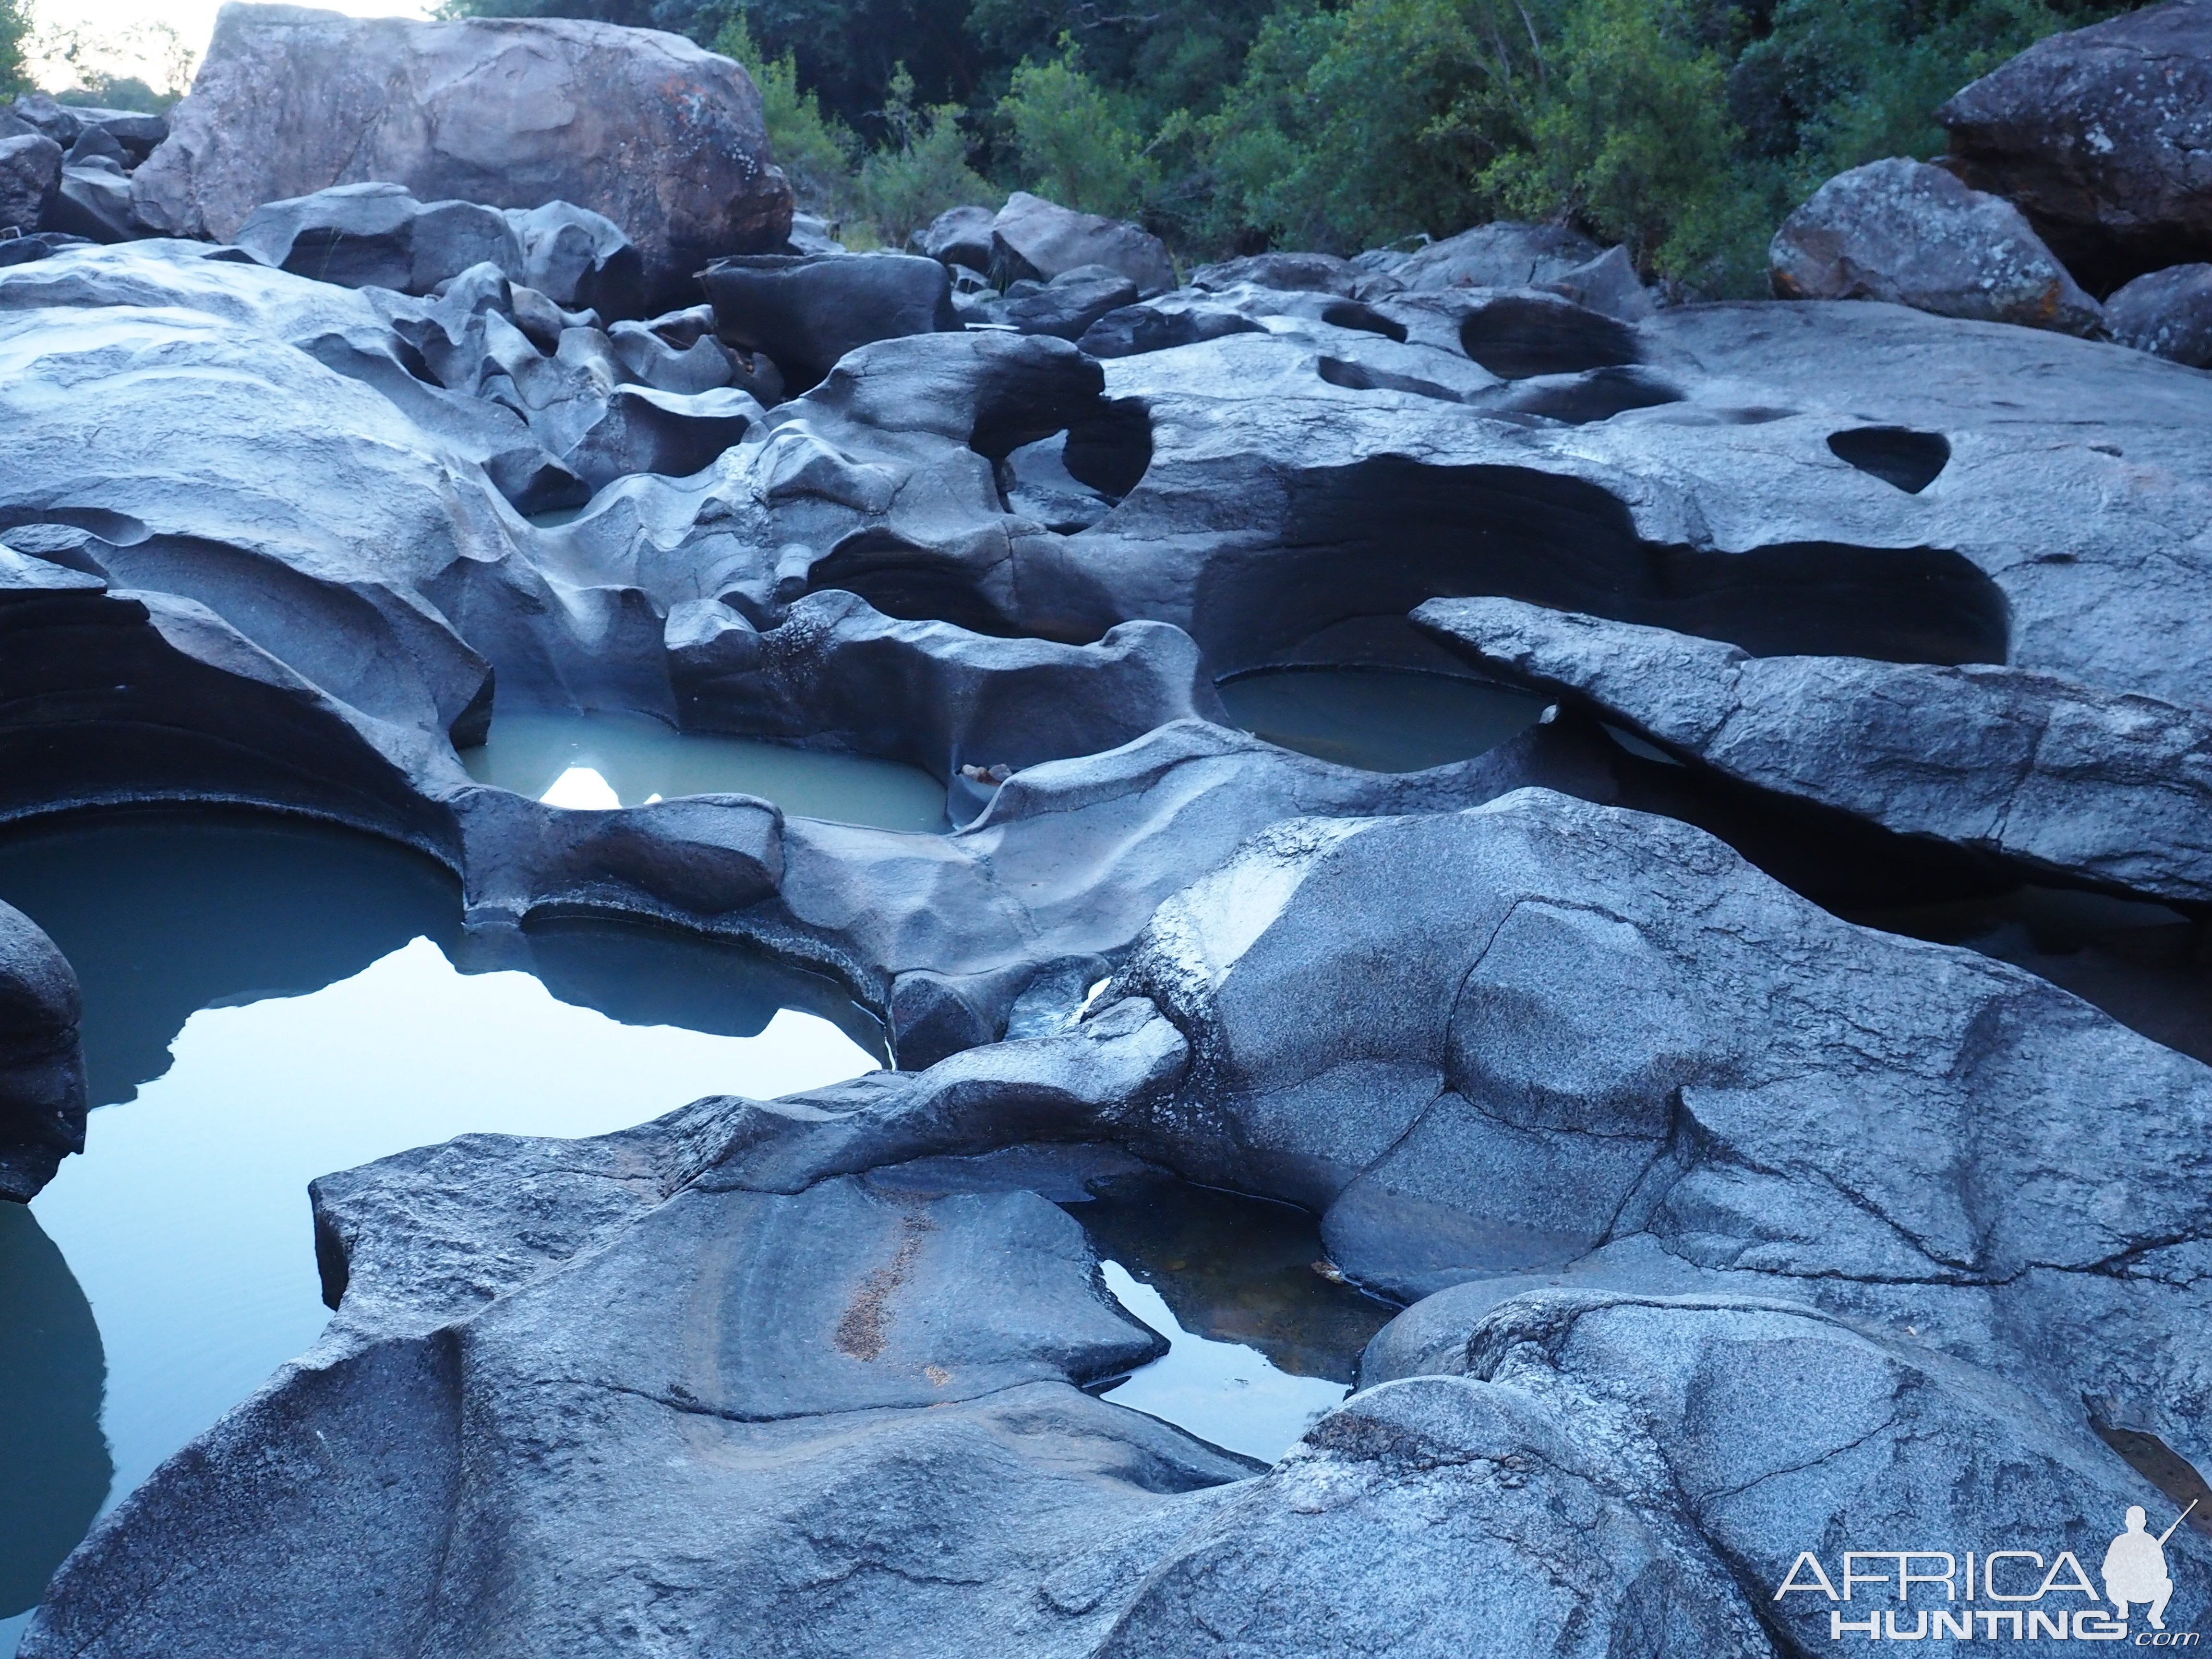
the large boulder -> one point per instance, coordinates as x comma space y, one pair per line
377, 235
2103, 138
806, 311
1911, 233
662, 138
2168, 313
1033, 237
30, 174
957, 236
1506, 254
42, 1098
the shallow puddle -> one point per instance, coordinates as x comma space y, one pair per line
265, 1002
1263, 1339
605, 760
1380, 720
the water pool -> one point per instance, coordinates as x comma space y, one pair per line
608, 760
1381, 719
265, 1002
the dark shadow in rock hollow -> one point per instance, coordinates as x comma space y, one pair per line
164, 913
1895, 454
2165, 1468
1235, 1269
54, 1466
1378, 537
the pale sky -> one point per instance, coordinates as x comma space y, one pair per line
119, 36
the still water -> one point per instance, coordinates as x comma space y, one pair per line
608, 760
265, 1002
1379, 719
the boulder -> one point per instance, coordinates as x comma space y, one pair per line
575, 257
1609, 284
1034, 238
957, 236
2059, 777
806, 311
42, 1095
661, 138
1502, 255
30, 174
2167, 313
2103, 137
1161, 325
1317, 273
94, 201
1913, 234
377, 235
1069, 304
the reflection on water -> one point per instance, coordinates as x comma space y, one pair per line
609, 760
285, 1001
1261, 1340
2149, 967
54, 1467
1380, 720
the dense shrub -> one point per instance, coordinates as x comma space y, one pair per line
14, 36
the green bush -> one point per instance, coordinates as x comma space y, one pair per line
15, 34
920, 171
1073, 144
818, 153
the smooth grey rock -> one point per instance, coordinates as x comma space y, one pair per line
92, 200
1319, 273
957, 236
700, 367
30, 174
1520, 335
807, 312
1911, 234
2057, 777
640, 430
811, 233
1505, 254
42, 1098
1609, 284
2167, 313
2100, 136
1551, 1073
575, 257
1070, 303
1033, 237
661, 138
1161, 325
379, 236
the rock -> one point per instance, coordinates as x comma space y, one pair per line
2168, 313
1317, 273
93, 201
1609, 284
1912, 234
807, 312
379, 236
1161, 325
1033, 237
640, 429
1502, 255
2099, 137
811, 234
30, 174
701, 367
957, 236
1070, 303
2065, 781
575, 257
645, 128
1516, 336
42, 1098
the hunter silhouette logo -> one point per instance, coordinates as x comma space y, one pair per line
2009, 1594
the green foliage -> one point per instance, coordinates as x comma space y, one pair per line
14, 36
816, 152
1073, 145
920, 170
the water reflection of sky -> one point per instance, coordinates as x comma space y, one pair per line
265, 1003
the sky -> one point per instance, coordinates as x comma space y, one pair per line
122, 36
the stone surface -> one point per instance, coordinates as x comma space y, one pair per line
2167, 313
1033, 237
93, 201
42, 1101
30, 174
379, 236
957, 236
2064, 780
2101, 137
1502, 255
1069, 304
662, 139
1912, 234
807, 312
